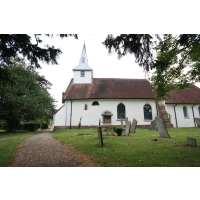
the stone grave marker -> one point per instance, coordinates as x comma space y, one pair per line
133, 126
100, 137
191, 142
126, 122
127, 129
153, 126
197, 121
122, 123
161, 127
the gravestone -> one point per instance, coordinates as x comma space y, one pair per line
153, 126
126, 122
122, 123
191, 142
197, 120
100, 137
161, 127
127, 129
133, 126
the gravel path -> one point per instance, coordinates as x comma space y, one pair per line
42, 150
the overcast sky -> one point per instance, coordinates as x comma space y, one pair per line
103, 64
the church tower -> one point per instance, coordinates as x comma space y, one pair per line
83, 73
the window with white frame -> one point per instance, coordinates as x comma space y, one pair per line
185, 112
82, 73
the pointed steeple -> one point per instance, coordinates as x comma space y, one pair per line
83, 62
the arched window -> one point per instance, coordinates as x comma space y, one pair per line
95, 103
85, 107
147, 112
121, 111
199, 110
185, 111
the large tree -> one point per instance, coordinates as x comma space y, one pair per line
175, 60
26, 99
33, 49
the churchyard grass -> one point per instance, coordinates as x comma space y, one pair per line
138, 149
9, 144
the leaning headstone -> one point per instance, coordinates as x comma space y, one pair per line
153, 126
133, 126
127, 129
197, 120
161, 127
191, 142
100, 137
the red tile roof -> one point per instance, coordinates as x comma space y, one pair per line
116, 88
111, 88
190, 96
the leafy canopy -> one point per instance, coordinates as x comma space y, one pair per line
176, 64
22, 45
26, 99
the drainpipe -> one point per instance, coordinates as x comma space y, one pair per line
193, 115
156, 107
175, 116
71, 116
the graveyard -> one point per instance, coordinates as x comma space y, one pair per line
137, 149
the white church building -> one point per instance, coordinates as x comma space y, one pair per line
111, 99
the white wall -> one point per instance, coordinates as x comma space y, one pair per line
133, 109
60, 117
79, 79
181, 120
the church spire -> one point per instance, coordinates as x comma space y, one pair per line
83, 62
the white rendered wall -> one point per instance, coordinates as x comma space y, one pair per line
79, 79
133, 109
60, 117
181, 120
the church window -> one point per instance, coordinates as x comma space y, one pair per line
121, 111
199, 110
185, 111
95, 103
86, 107
147, 112
82, 73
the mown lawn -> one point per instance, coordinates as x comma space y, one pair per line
138, 149
9, 144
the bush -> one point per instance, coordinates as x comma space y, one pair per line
44, 126
118, 130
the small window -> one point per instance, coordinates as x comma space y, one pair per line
86, 107
185, 111
95, 103
147, 112
82, 73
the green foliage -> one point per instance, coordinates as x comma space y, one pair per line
118, 130
79, 125
44, 126
177, 65
17, 45
27, 99
138, 44
138, 149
